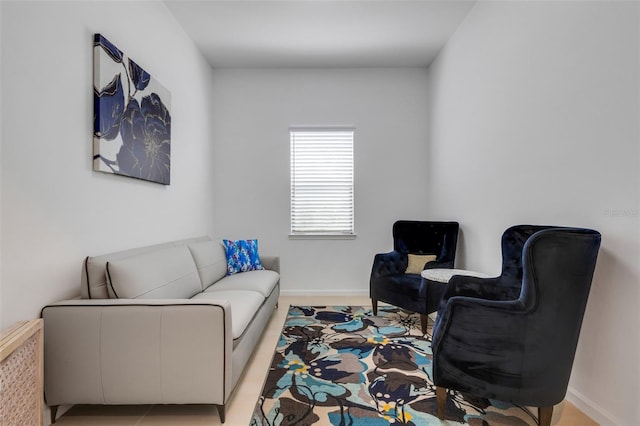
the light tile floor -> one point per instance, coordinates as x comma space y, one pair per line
243, 400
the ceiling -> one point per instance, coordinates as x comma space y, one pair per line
320, 33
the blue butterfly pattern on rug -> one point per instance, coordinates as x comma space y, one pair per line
341, 365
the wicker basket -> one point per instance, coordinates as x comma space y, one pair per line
21, 374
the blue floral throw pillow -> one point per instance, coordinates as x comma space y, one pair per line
242, 256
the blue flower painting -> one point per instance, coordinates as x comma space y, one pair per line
131, 117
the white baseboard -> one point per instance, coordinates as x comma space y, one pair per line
591, 409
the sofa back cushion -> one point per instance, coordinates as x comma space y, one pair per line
168, 273
210, 260
94, 274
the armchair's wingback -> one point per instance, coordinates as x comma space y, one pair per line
489, 344
390, 284
418, 237
507, 284
513, 240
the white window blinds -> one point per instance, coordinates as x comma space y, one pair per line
322, 181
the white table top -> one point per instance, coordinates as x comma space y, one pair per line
443, 275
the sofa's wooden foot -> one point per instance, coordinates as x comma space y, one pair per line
441, 398
221, 413
374, 305
54, 413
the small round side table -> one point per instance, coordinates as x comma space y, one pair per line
442, 275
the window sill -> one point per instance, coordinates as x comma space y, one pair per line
322, 236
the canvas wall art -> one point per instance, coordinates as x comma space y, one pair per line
131, 117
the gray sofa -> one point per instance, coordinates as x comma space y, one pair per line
160, 324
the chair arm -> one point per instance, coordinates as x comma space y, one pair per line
133, 351
476, 287
388, 264
438, 264
479, 326
475, 341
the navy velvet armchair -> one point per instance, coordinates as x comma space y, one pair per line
389, 281
513, 338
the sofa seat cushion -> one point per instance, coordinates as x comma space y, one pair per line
262, 281
167, 273
244, 306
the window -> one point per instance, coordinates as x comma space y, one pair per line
322, 182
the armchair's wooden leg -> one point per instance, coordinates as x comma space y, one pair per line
374, 305
424, 320
544, 415
441, 397
221, 413
54, 413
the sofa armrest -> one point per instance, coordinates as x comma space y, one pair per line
131, 351
271, 263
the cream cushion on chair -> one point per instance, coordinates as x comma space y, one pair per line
416, 262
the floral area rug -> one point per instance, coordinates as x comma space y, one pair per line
341, 365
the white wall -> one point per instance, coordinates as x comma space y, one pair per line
253, 110
535, 119
55, 209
